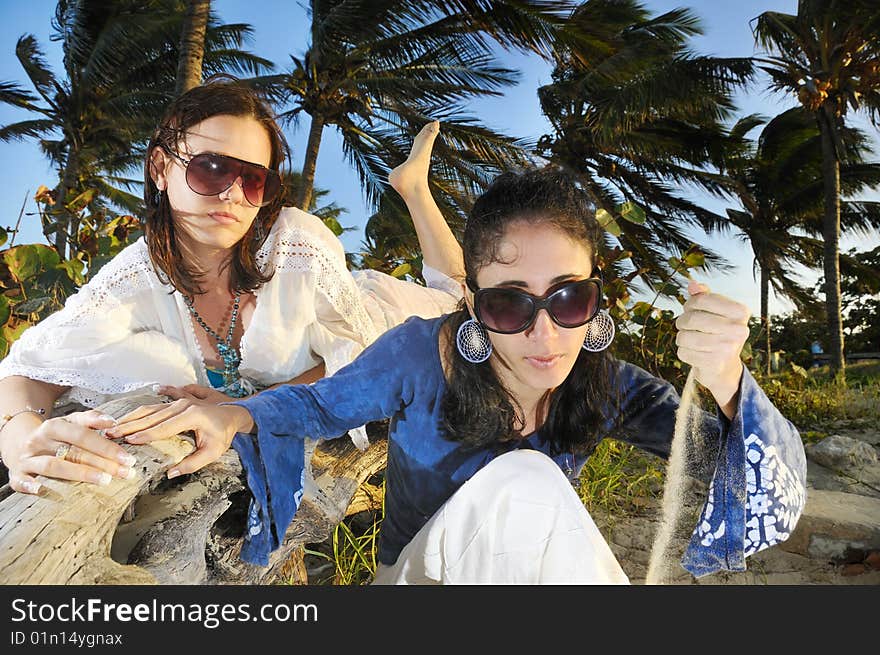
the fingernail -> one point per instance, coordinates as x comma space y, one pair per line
31, 486
173, 473
103, 479
107, 417
126, 459
110, 434
125, 472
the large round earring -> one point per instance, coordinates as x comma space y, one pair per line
600, 332
473, 342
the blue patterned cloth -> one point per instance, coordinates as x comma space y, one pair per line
755, 464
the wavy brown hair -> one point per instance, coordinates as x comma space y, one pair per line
478, 411
220, 95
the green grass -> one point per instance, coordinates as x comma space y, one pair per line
352, 549
860, 375
812, 399
618, 477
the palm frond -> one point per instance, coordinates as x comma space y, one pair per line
31, 58
26, 129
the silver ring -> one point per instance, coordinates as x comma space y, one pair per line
62, 450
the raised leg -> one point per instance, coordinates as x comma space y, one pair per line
439, 246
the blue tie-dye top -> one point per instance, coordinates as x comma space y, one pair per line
755, 463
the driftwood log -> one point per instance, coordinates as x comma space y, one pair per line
151, 530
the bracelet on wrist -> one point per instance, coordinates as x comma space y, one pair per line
8, 417
27, 410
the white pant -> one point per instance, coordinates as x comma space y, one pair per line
516, 521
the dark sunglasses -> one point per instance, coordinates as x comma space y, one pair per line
508, 311
209, 174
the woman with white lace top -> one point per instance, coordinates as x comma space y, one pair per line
227, 293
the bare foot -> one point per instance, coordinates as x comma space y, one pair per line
411, 176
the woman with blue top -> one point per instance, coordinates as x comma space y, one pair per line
227, 294
495, 407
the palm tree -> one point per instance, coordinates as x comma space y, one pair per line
634, 113
828, 54
192, 45
763, 173
329, 213
778, 181
378, 70
390, 244
120, 61
860, 290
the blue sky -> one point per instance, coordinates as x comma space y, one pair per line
280, 29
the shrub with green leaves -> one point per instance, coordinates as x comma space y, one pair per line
35, 281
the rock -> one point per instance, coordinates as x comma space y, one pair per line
843, 463
844, 453
864, 482
854, 569
836, 527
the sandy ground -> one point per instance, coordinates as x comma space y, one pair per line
631, 539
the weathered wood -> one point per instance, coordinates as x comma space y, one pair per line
170, 535
367, 498
184, 531
337, 470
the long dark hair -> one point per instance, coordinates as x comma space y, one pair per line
220, 95
477, 409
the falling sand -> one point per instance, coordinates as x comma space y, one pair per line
686, 449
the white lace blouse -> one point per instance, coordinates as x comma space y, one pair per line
125, 330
